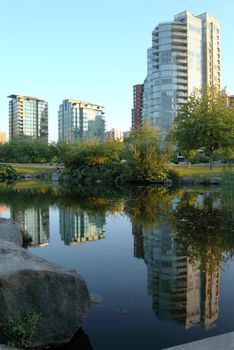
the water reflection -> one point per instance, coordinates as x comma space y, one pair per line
76, 227
182, 236
181, 291
35, 222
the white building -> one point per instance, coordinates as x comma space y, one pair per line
114, 134
185, 55
28, 117
79, 120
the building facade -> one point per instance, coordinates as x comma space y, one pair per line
137, 106
2, 137
185, 55
79, 120
28, 117
114, 134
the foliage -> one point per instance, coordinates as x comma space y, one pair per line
147, 206
201, 231
92, 154
7, 172
205, 122
21, 331
27, 151
145, 155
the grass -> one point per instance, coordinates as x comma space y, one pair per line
31, 169
194, 171
200, 171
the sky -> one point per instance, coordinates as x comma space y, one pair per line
93, 50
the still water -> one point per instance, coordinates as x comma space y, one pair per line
160, 259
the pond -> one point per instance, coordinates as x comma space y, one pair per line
160, 259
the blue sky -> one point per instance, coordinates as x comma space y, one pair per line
90, 50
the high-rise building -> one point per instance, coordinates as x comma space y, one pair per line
137, 106
79, 120
2, 137
185, 55
28, 117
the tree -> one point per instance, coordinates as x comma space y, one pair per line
205, 122
145, 154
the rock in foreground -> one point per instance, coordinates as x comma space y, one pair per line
31, 284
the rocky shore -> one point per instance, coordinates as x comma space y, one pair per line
29, 284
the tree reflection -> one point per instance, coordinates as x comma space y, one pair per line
202, 230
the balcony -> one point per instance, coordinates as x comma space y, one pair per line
177, 40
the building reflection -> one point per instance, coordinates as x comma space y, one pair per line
76, 227
36, 223
182, 290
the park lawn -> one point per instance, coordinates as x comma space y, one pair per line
30, 169
200, 171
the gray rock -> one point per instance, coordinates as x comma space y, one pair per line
215, 180
168, 182
6, 347
96, 298
186, 180
11, 232
55, 177
201, 181
28, 283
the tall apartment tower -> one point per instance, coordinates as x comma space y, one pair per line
79, 120
28, 117
185, 55
137, 106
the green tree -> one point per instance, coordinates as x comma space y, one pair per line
205, 122
145, 154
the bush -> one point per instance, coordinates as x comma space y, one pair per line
7, 172
21, 331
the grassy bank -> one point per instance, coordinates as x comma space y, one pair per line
194, 171
200, 171
32, 169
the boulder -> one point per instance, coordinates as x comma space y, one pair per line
201, 181
186, 180
10, 231
31, 284
168, 182
215, 180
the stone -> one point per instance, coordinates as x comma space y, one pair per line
201, 181
96, 298
31, 284
10, 231
186, 180
215, 180
168, 182
55, 177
